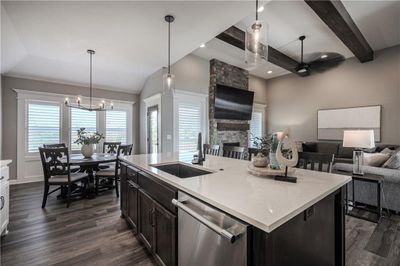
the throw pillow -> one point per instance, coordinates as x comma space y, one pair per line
375, 159
387, 151
394, 161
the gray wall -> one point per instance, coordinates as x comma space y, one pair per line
9, 111
293, 101
192, 74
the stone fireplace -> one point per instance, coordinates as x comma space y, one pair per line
223, 131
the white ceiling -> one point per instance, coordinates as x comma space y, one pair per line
379, 21
48, 40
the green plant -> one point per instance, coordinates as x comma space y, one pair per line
86, 138
263, 143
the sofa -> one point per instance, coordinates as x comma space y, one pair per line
365, 192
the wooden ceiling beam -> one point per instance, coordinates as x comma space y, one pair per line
336, 17
236, 37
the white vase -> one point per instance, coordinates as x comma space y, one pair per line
87, 150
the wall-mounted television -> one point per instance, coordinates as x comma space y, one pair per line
232, 103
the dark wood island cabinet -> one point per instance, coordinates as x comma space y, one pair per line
146, 206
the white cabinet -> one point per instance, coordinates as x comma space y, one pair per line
4, 196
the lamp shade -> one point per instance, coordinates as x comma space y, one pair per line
359, 139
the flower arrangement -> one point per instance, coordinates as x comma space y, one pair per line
86, 138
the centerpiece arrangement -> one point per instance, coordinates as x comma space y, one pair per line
88, 141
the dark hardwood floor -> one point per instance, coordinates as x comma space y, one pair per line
91, 232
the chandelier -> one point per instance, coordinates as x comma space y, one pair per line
102, 105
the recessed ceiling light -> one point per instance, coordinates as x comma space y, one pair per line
260, 9
202, 45
269, 71
324, 56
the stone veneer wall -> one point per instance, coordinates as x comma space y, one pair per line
228, 75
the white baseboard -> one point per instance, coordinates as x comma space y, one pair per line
26, 180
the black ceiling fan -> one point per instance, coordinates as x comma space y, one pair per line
320, 63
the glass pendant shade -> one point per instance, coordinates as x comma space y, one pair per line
168, 83
256, 48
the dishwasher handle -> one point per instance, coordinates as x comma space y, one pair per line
219, 230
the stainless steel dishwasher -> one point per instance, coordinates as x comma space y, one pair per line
207, 236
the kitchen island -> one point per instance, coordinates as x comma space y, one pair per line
289, 223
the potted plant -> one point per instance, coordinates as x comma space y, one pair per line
88, 140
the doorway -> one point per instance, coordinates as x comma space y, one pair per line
152, 129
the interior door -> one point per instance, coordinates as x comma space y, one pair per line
152, 129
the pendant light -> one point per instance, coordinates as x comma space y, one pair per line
256, 48
168, 78
102, 106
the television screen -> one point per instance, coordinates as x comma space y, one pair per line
232, 103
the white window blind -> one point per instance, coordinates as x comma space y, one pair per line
43, 125
116, 126
256, 125
81, 118
189, 126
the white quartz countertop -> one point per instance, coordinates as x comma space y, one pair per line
259, 201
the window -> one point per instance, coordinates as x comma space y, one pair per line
256, 126
116, 126
43, 125
81, 118
189, 120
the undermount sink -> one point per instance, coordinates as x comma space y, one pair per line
181, 170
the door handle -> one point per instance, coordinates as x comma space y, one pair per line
2, 177
2, 202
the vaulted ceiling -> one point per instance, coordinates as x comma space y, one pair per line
48, 40
378, 21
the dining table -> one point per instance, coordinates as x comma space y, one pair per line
90, 166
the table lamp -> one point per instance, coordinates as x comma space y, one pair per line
358, 139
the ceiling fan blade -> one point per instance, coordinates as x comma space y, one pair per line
321, 64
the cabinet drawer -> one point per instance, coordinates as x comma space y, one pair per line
131, 174
4, 173
158, 190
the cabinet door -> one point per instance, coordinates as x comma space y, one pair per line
164, 235
124, 190
146, 208
132, 205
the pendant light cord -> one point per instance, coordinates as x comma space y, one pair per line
169, 47
256, 9
301, 51
91, 80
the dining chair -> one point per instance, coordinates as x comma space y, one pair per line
74, 168
109, 147
309, 160
211, 149
57, 172
252, 152
233, 152
112, 173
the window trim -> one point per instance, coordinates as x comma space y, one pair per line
28, 168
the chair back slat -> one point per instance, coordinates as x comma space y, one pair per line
234, 152
122, 150
56, 145
55, 161
307, 160
111, 147
211, 149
